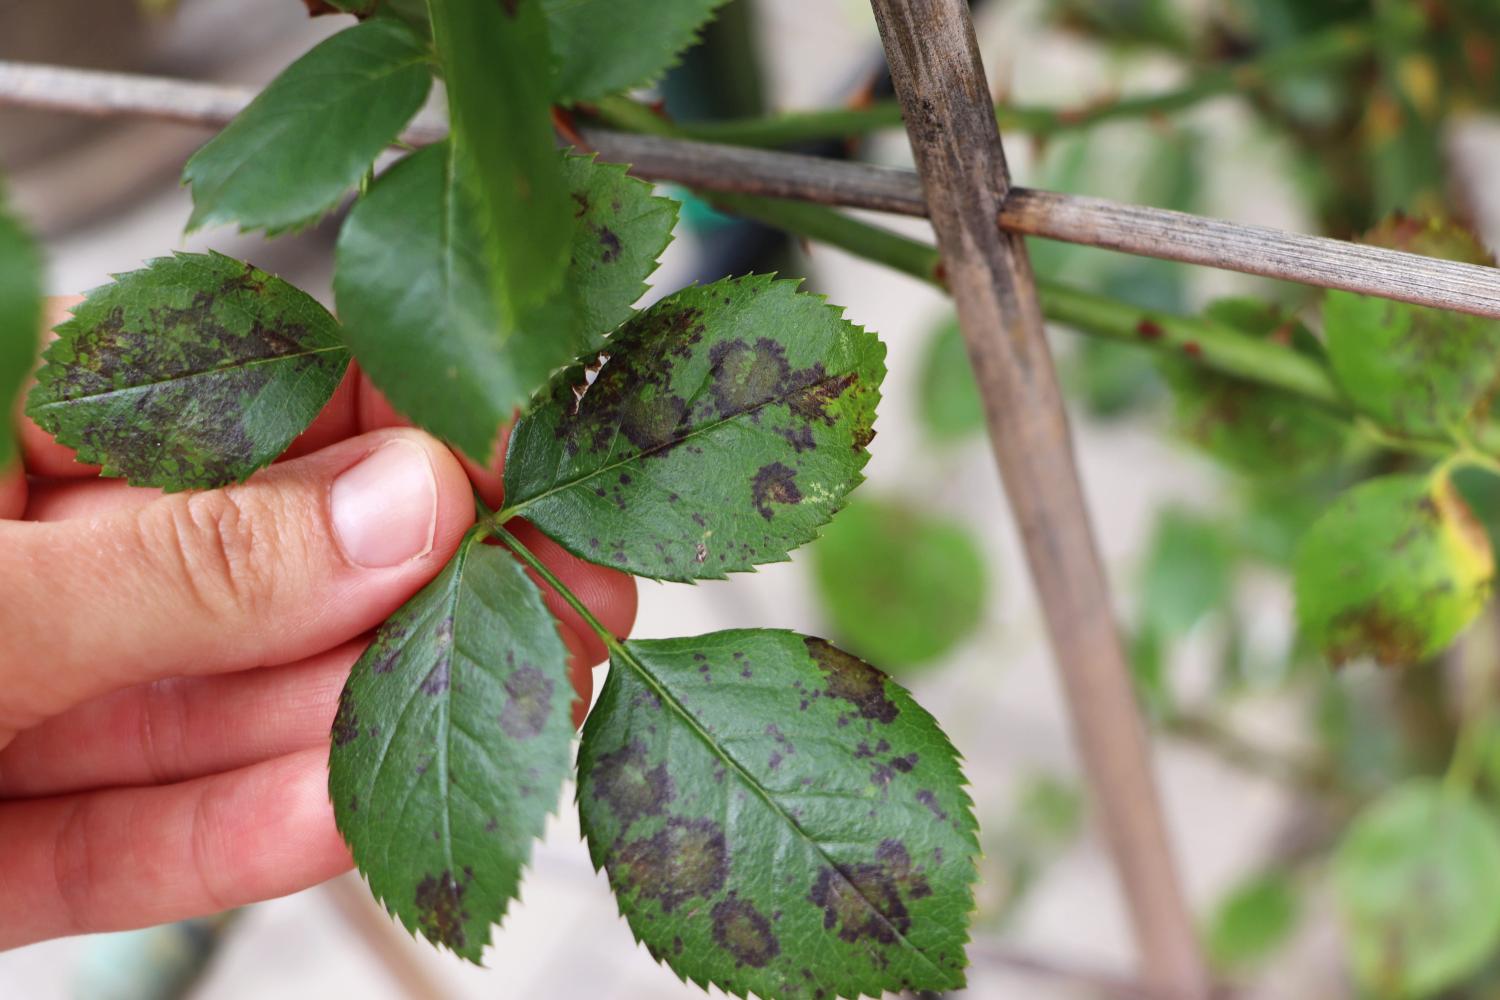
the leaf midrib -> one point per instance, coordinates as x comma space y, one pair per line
624, 651
184, 376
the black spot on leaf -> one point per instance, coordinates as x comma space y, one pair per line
440, 909
627, 782
386, 648
774, 483
530, 704
743, 378
436, 681
610, 242
870, 900
926, 798
688, 859
345, 721
853, 680
744, 932
817, 395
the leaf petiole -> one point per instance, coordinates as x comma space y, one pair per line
497, 530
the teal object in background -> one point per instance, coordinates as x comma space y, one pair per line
158, 963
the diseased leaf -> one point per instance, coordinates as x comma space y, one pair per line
497, 64
727, 426
900, 586
778, 818
1249, 427
605, 47
20, 319
418, 308
1395, 569
450, 746
190, 373
289, 157
1253, 920
1414, 370
1416, 877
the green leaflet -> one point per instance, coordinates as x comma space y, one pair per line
1416, 878
1394, 569
20, 319
289, 157
1413, 370
450, 745
947, 398
1189, 572
607, 46
417, 304
727, 426
1251, 428
1253, 921
621, 231
778, 818
900, 586
497, 66
190, 373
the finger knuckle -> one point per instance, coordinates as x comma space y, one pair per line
215, 539
75, 865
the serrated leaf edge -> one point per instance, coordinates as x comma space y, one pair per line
970, 826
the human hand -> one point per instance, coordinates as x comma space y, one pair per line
170, 665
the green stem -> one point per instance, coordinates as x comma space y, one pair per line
525, 555
815, 222
1324, 50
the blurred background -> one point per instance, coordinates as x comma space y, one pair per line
1262, 753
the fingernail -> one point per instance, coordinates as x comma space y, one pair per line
385, 508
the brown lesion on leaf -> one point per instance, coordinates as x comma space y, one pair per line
441, 916
870, 900
774, 483
853, 680
632, 393
812, 402
744, 932
530, 702
632, 787
345, 720
687, 859
1375, 632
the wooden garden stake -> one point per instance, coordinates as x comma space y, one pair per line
945, 99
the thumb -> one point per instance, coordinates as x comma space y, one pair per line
307, 554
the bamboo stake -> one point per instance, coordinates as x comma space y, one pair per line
936, 69
1135, 229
